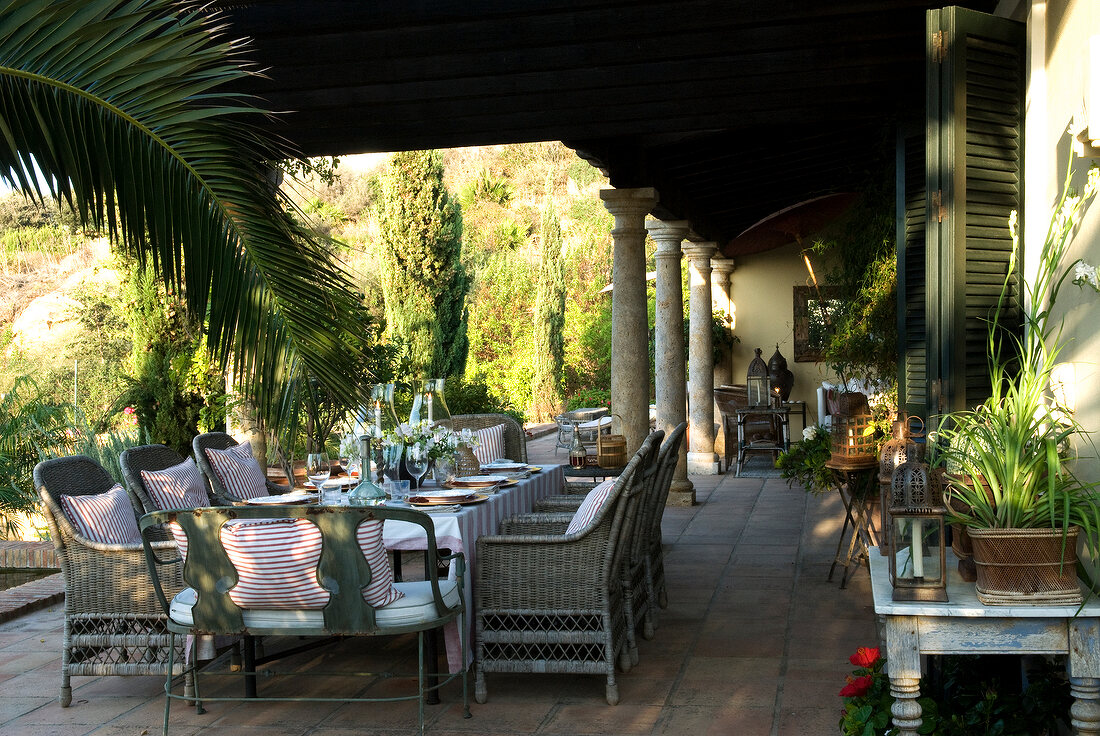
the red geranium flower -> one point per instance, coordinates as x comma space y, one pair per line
856, 686
865, 657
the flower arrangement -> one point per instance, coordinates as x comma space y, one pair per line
440, 441
804, 463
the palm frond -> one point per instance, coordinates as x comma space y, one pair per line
121, 105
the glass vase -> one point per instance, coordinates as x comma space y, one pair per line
444, 470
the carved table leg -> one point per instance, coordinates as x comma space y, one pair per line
1084, 714
903, 663
1084, 675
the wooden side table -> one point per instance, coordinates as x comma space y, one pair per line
857, 484
963, 625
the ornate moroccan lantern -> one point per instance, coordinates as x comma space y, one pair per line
918, 551
900, 448
756, 382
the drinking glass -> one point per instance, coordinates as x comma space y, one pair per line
318, 470
416, 461
391, 461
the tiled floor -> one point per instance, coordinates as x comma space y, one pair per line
754, 641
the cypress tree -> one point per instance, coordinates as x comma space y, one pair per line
423, 282
549, 327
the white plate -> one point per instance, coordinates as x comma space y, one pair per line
504, 467
449, 496
282, 499
477, 481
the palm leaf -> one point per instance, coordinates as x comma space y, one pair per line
122, 106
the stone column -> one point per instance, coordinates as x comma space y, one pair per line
701, 458
669, 348
629, 315
721, 270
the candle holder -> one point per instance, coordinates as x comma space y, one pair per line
918, 553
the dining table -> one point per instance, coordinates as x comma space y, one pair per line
459, 529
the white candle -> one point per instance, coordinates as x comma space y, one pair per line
429, 406
916, 549
378, 417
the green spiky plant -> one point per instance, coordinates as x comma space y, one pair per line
1007, 459
124, 106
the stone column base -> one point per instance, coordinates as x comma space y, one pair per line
702, 463
681, 493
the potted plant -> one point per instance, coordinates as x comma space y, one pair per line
1008, 475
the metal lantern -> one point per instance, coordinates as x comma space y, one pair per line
900, 448
918, 552
756, 381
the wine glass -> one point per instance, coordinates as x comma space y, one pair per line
318, 470
416, 461
391, 461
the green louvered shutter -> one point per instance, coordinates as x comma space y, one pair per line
912, 329
974, 162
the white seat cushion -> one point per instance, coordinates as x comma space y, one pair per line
416, 606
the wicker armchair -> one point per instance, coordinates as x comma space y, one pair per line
146, 457
515, 439
217, 492
651, 513
551, 602
114, 624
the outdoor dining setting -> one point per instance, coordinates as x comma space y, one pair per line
589, 368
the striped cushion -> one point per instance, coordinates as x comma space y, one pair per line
590, 507
490, 445
238, 471
176, 487
380, 591
276, 562
103, 517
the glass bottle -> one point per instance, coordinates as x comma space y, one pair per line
578, 456
367, 493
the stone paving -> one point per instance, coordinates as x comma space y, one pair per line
754, 642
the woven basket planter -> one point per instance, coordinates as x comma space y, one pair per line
1026, 567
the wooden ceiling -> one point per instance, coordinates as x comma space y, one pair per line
730, 109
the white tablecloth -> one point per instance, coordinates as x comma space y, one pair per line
459, 532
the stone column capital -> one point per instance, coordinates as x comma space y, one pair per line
668, 231
637, 201
700, 250
722, 266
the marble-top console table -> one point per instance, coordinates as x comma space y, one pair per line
963, 625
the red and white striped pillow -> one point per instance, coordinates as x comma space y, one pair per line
176, 487
590, 507
276, 562
490, 444
380, 592
238, 471
103, 517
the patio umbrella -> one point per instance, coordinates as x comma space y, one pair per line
790, 224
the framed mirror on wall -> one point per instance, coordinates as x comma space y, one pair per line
814, 310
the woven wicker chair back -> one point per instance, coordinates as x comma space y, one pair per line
654, 509
627, 546
78, 475
515, 440
212, 441
148, 458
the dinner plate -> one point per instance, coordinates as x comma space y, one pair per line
534, 468
284, 499
341, 480
504, 467
447, 496
477, 481
475, 498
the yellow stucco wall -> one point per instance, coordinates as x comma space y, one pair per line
762, 291
1060, 69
